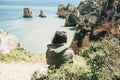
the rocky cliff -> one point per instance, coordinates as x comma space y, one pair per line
97, 20
8, 42
65, 10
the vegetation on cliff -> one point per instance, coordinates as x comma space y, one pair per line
103, 59
21, 55
98, 61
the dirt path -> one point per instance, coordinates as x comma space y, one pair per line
19, 70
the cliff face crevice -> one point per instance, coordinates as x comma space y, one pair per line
97, 20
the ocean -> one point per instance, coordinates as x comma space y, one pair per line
34, 33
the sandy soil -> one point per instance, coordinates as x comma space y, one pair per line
20, 70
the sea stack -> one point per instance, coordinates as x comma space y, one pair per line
42, 14
27, 13
8, 42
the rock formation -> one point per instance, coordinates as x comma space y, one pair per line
8, 42
65, 10
71, 18
27, 12
42, 14
98, 20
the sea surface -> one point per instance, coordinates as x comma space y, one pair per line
34, 33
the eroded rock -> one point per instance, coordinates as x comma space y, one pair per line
8, 42
42, 14
65, 10
27, 12
98, 20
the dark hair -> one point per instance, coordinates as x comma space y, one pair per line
59, 37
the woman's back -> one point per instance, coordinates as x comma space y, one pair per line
58, 52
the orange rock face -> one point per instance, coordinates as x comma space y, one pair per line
98, 20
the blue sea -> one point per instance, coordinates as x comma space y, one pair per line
34, 33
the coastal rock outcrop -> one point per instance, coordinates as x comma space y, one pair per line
8, 42
98, 20
42, 14
71, 18
65, 10
27, 13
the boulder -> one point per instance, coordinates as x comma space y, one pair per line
27, 13
8, 42
97, 20
42, 14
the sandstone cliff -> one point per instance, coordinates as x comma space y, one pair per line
65, 10
8, 42
97, 20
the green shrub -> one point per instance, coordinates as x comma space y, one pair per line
104, 60
67, 71
98, 61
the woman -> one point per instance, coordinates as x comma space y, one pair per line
58, 53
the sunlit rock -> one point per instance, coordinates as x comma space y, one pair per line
8, 42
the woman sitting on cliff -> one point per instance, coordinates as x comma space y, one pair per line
58, 53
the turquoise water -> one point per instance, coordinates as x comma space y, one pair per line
12, 9
34, 33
